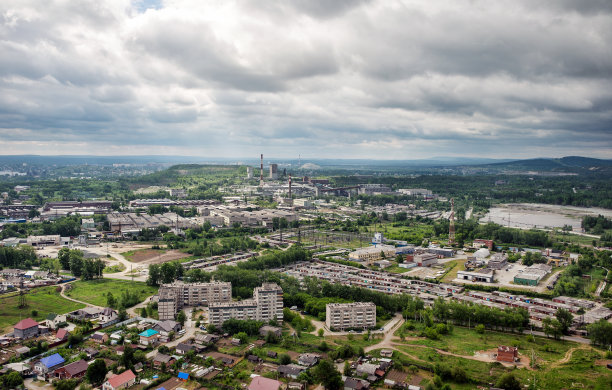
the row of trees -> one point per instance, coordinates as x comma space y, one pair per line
491, 317
73, 260
22, 256
164, 273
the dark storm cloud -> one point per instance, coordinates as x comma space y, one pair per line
382, 79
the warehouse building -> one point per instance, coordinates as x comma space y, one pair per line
373, 253
532, 275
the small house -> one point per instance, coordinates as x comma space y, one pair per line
99, 337
183, 348
48, 364
149, 337
72, 371
308, 359
62, 334
261, 383
120, 381
161, 358
507, 354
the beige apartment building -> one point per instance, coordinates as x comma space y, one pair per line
267, 304
173, 297
341, 316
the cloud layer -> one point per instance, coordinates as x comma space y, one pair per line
343, 78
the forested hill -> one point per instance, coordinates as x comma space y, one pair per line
570, 164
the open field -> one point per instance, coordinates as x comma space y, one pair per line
455, 266
44, 300
555, 364
94, 291
154, 256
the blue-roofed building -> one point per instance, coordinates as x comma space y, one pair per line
48, 364
183, 376
149, 337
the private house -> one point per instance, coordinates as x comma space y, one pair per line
290, 370
48, 364
167, 326
99, 337
62, 335
25, 329
53, 320
161, 358
73, 370
183, 348
107, 315
308, 359
149, 337
121, 381
261, 383
356, 384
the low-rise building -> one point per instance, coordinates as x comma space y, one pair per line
25, 329
120, 381
48, 364
507, 354
425, 259
340, 316
373, 253
149, 337
262, 383
483, 275
72, 371
532, 275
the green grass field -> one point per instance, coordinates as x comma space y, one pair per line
44, 300
560, 364
94, 291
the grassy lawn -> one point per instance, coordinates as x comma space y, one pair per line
44, 300
579, 372
455, 266
111, 269
94, 291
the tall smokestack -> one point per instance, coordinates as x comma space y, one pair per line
289, 186
261, 172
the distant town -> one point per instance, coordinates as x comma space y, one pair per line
256, 277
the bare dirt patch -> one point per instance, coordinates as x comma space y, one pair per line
153, 256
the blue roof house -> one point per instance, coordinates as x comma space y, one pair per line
149, 337
49, 363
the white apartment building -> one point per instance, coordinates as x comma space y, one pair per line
340, 316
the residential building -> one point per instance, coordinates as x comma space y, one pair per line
161, 358
149, 337
373, 253
173, 297
167, 326
62, 334
25, 329
267, 304
99, 337
48, 364
71, 371
262, 383
308, 359
291, 370
123, 380
340, 316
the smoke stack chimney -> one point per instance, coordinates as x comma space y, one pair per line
261, 172
289, 186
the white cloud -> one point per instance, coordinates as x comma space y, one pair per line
379, 79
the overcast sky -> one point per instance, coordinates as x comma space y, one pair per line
321, 78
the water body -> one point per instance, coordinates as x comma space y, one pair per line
541, 216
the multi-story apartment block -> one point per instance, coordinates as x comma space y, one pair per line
173, 297
267, 304
340, 316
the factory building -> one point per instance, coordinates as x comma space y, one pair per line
373, 253
341, 316
273, 171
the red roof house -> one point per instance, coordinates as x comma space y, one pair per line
123, 380
261, 383
62, 334
25, 329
